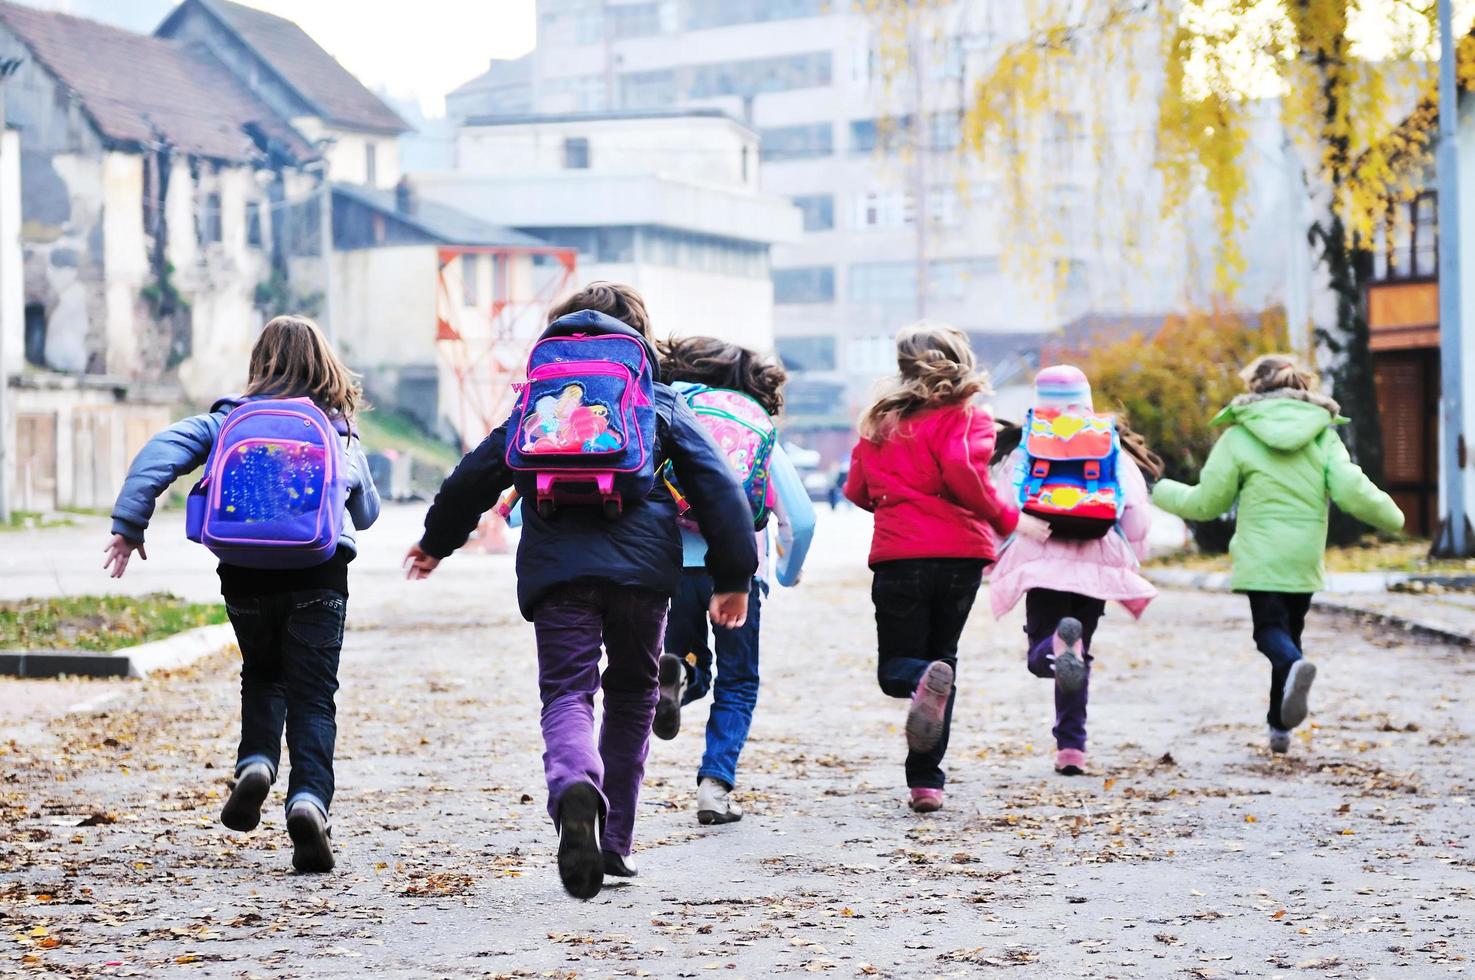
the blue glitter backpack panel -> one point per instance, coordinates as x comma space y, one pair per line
274, 488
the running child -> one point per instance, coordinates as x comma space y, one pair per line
736, 391
288, 616
921, 467
593, 573
1067, 578
1282, 461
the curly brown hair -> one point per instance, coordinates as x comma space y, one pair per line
610, 298
935, 366
718, 364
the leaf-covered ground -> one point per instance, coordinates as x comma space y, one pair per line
99, 623
1188, 851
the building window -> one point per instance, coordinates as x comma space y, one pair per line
576, 153
807, 353
746, 154
1406, 246
701, 14
804, 284
887, 134
885, 209
648, 89
797, 142
1426, 236
871, 355
209, 220
945, 131
35, 340
781, 74
885, 283
635, 20
1066, 131
818, 211
253, 224
951, 280
470, 274
371, 164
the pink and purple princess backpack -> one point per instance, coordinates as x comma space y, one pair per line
274, 488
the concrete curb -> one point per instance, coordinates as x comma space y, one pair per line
140, 661
1353, 582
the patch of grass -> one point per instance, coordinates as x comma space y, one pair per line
100, 624
31, 520
1371, 554
382, 430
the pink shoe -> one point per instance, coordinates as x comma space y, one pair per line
1070, 762
926, 800
929, 705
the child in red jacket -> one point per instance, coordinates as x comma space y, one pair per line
921, 467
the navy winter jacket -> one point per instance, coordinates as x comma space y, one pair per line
182, 448
640, 549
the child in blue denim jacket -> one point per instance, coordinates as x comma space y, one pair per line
288, 622
687, 664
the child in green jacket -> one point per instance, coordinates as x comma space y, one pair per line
1282, 461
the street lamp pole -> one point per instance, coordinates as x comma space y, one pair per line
7, 68
1453, 541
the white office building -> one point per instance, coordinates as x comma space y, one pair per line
666, 200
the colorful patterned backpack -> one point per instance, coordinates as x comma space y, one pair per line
584, 430
744, 432
1070, 472
274, 488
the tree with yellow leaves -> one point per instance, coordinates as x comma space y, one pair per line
1177, 80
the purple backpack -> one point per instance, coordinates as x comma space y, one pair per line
584, 430
274, 487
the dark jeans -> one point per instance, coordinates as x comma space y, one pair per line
922, 605
571, 623
289, 644
735, 690
1279, 618
1043, 611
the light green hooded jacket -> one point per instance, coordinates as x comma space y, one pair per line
1282, 460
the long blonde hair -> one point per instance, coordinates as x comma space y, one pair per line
293, 359
935, 366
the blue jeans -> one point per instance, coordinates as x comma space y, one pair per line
922, 605
289, 673
1279, 618
735, 689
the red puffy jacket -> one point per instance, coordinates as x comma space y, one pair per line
929, 487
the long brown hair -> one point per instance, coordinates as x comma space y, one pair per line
935, 366
1274, 372
293, 359
718, 364
610, 298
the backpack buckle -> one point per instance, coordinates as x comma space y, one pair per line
1040, 470
1092, 470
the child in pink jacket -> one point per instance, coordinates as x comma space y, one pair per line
1066, 584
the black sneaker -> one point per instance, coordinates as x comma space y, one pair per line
1070, 669
615, 866
673, 689
580, 861
308, 828
242, 810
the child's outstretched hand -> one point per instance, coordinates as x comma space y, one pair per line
1033, 528
418, 564
729, 609
119, 550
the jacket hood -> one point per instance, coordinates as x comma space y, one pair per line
1286, 419
592, 321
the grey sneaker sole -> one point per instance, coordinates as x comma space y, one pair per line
667, 724
1297, 695
311, 852
708, 818
580, 860
1070, 670
1280, 742
242, 810
924, 720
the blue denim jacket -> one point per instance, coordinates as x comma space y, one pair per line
182, 448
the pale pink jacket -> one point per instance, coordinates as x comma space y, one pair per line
1105, 568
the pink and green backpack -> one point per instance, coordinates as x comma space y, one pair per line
746, 435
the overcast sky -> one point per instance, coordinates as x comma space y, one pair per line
416, 48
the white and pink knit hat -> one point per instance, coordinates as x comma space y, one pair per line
1062, 386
